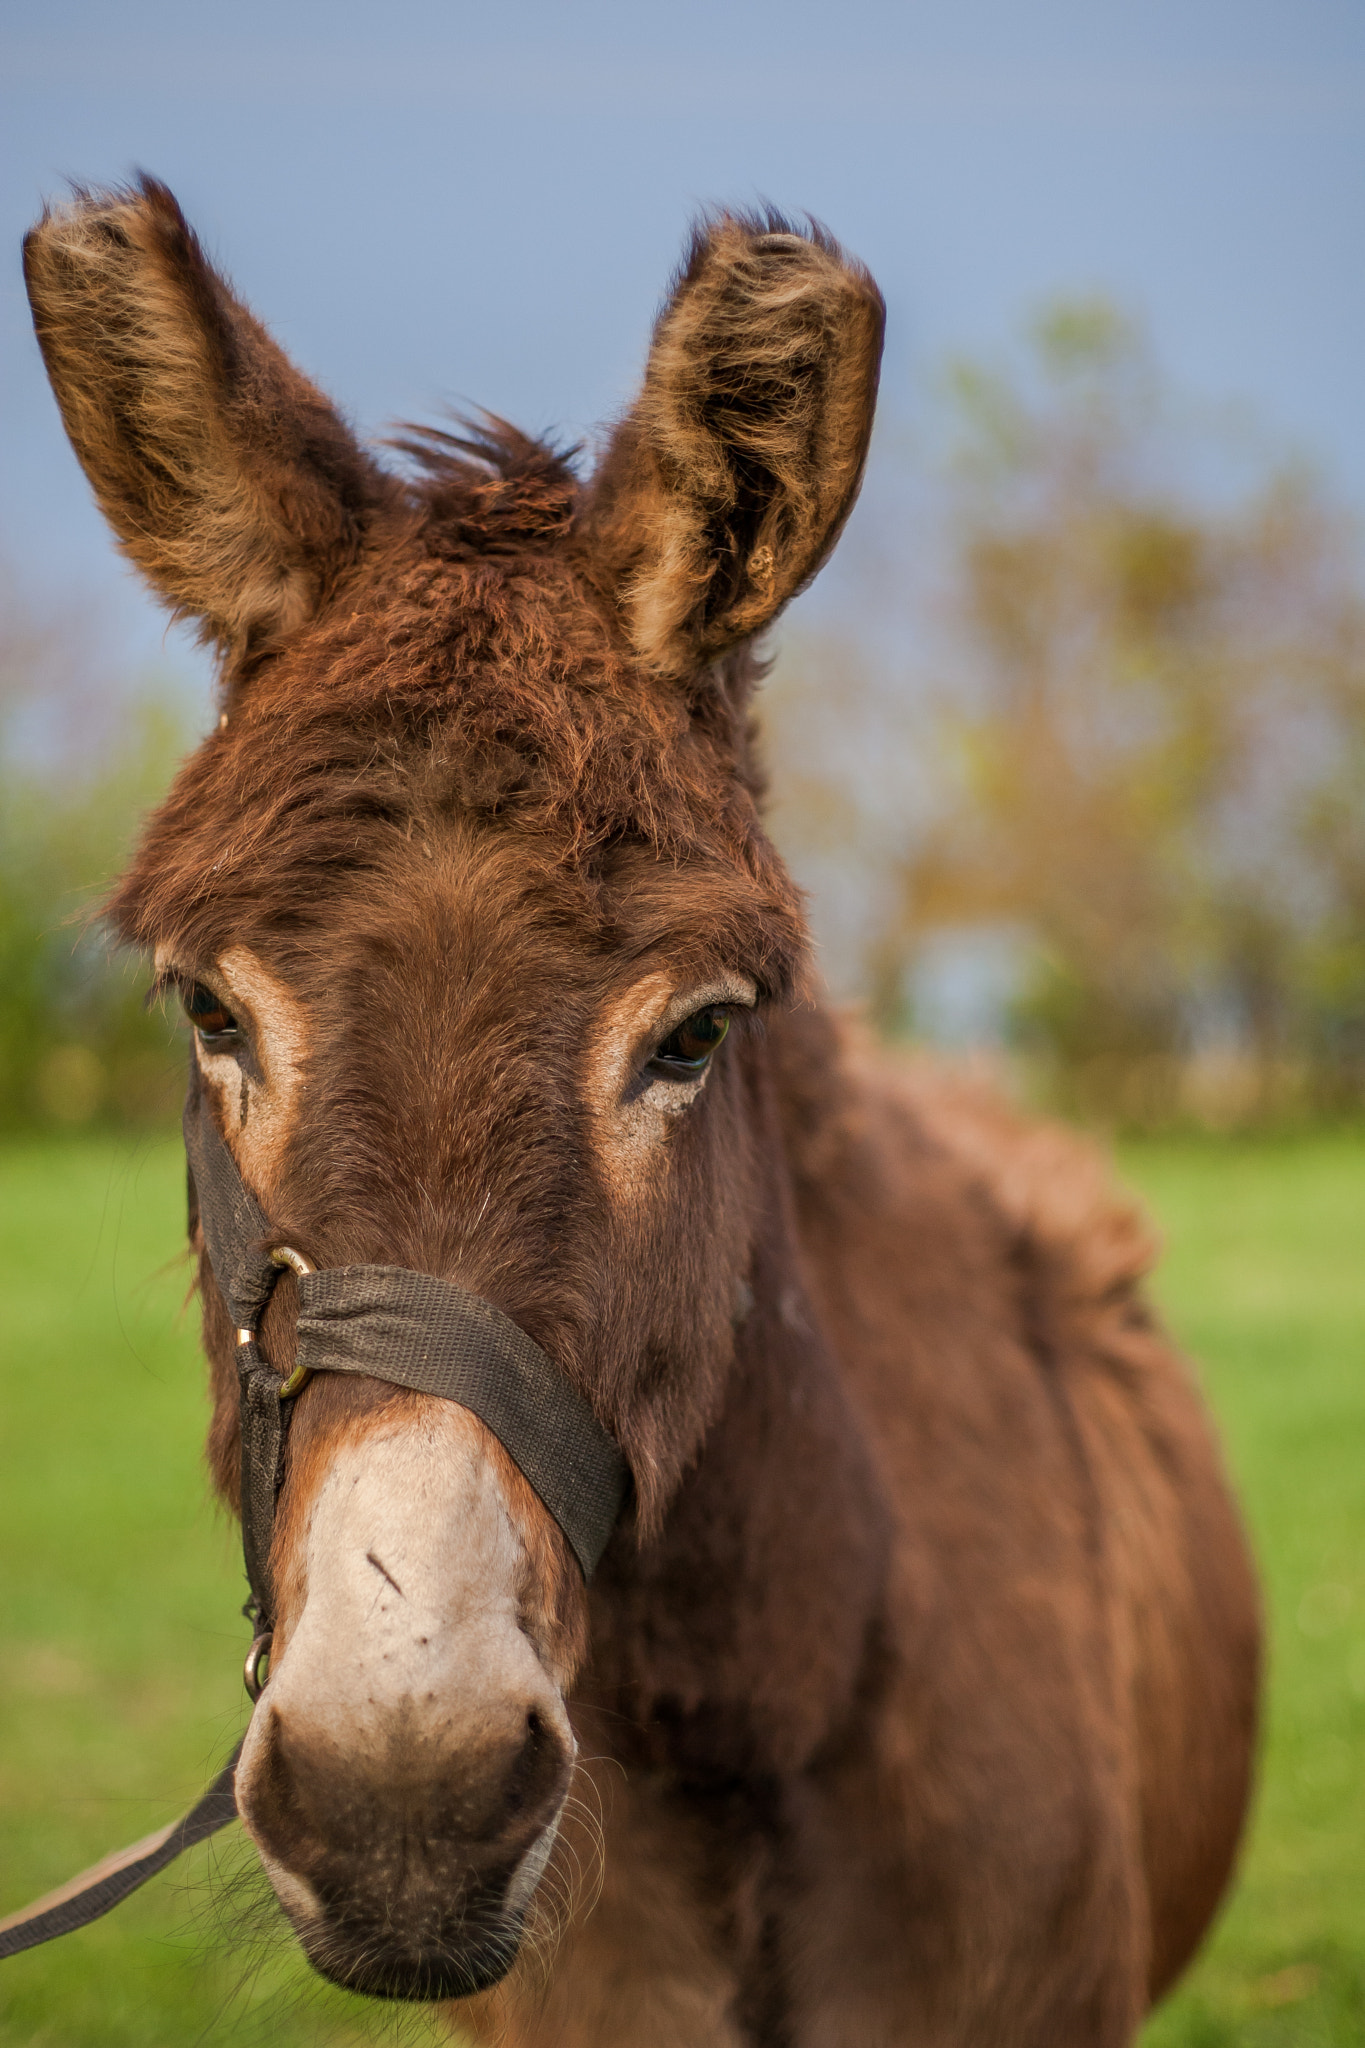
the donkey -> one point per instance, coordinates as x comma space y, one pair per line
913, 1699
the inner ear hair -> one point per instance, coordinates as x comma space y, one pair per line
728, 482
230, 481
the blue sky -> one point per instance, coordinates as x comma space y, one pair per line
442, 203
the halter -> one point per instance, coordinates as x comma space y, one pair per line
381, 1322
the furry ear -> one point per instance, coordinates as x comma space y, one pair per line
228, 479
728, 482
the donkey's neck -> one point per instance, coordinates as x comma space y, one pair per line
740, 1638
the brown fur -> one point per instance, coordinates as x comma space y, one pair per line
917, 1690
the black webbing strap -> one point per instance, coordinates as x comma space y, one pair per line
428, 1334
234, 1224
264, 1421
236, 1235
97, 1890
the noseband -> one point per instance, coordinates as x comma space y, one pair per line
380, 1322
388, 1323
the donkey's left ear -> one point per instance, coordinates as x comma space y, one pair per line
728, 482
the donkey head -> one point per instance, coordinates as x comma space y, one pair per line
472, 915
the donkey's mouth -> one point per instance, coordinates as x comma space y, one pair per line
381, 1961
433, 1930
449, 1936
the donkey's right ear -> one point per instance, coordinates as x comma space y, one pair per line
229, 480
727, 483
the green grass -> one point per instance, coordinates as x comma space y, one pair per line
1264, 1280
120, 1642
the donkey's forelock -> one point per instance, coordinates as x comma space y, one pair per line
481, 690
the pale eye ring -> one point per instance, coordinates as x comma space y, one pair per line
686, 1052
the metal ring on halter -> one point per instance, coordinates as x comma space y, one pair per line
285, 1255
251, 1671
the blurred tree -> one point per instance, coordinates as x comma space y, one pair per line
1149, 739
80, 760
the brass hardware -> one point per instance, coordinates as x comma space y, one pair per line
258, 1654
285, 1255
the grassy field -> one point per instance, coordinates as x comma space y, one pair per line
1264, 1280
120, 1642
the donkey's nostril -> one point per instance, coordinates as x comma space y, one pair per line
280, 1814
535, 1774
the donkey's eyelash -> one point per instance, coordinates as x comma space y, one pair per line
168, 981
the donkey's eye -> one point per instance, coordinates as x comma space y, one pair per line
687, 1050
218, 1029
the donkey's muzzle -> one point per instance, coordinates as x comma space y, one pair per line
406, 1874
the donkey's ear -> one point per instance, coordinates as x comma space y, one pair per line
727, 483
229, 480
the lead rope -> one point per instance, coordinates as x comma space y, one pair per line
107, 1883
383, 1322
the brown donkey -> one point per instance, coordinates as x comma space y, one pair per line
916, 1687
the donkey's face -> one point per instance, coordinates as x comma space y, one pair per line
473, 918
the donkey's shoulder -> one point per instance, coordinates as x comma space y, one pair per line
1054, 1189
939, 1150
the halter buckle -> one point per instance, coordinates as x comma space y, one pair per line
258, 1654
283, 1255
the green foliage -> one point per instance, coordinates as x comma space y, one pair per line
1159, 753
120, 1641
77, 770
1144, 732
1163, 766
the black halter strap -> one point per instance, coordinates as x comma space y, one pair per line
386, 1323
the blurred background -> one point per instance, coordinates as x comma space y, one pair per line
1068, 744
